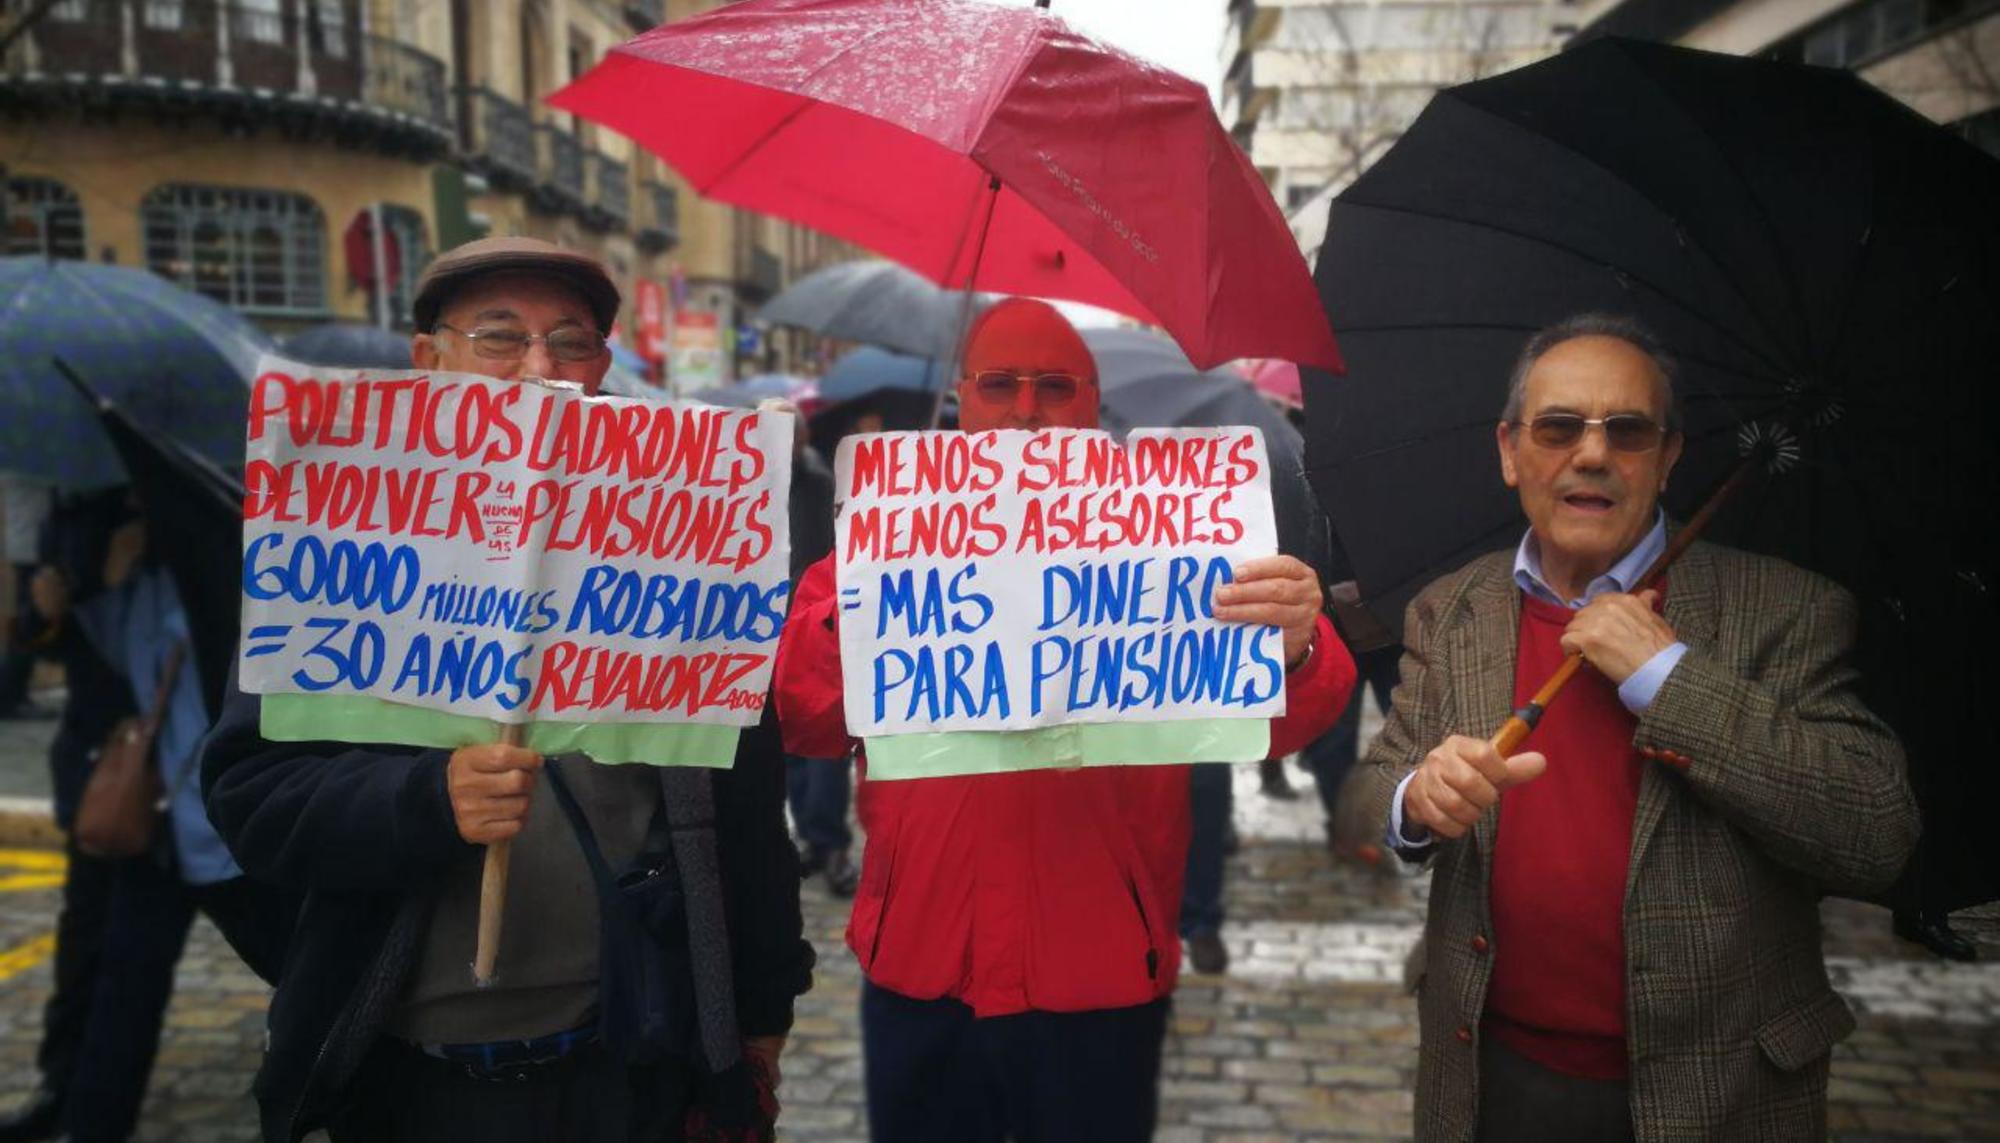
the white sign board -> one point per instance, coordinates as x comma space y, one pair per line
1015, 578
510, 551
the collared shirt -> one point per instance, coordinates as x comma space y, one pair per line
1636, 692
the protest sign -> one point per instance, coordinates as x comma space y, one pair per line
502, 551
694, 352
1016, 579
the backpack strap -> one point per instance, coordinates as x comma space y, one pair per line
690, 804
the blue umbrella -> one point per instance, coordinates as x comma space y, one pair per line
868, 369
627, 358
350, 345
747, 392
175, 361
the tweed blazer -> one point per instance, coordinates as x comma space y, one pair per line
1767, 785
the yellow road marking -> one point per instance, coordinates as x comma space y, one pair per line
39, 860
26, 955
30, 870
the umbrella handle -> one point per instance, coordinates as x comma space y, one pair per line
493, 891
966, 305
1522, 722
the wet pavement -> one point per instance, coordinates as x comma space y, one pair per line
1309, 1036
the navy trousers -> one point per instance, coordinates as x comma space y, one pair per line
145, 927
818, 790
1332, 754
1211, 800
86, 903
405, 1096
935, 1072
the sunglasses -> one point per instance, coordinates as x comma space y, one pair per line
571, 343
999, 387
1625, 432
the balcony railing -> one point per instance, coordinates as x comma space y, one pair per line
610, 193
398, 77
660, 231
309, 64
501, 144
560, 185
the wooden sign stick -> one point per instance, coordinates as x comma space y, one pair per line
493, 890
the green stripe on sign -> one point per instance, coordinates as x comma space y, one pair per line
959, 753
353, 718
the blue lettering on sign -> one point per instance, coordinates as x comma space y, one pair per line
1060, 653
1120, 593
611, 601
362, 576
1227, 665
953, 682
463, 667
931, 606
355, 661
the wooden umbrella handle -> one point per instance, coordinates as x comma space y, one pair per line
1521, 723
493, 891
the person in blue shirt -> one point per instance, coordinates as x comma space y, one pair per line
137, 625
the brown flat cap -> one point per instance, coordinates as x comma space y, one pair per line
458, 266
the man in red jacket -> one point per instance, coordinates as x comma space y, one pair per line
1018, 930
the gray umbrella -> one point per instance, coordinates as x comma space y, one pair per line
350, 345
1147, 382
879, 303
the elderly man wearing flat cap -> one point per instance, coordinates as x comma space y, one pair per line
376, 1031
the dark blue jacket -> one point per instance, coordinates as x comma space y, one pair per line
364, 832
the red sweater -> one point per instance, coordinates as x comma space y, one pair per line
1055, 890
1559, 864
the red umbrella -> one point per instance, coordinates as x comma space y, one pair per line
979, 145
1278, 380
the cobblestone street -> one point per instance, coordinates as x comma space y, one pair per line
1309, 1036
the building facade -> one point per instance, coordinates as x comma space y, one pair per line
303, 160
1941, 57
1315, 91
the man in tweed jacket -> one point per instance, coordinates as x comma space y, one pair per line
1714, 741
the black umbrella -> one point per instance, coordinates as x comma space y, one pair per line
194, 514
877, 410
350, 345
1147, 382
880, 303
1825, 265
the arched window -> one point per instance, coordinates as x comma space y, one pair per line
406, 227
41, 217
262, 251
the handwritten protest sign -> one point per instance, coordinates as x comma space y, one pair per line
510, 552
1015, 579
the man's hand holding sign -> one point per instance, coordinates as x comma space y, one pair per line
490, 786
1277, 591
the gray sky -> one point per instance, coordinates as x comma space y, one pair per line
1184, 35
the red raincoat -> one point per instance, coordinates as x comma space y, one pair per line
1056, 890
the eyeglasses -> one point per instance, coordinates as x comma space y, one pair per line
1625, 432
999, 387
570, 343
